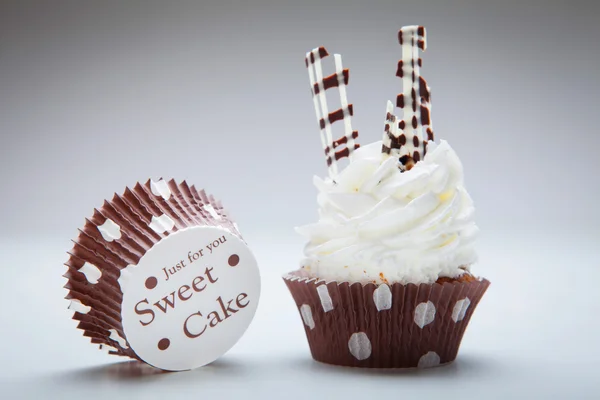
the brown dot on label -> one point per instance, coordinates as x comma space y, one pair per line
151, 282
234, 260
164, 344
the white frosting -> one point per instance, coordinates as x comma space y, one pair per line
383, 225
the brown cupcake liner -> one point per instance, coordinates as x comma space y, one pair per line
384, 326
101, 251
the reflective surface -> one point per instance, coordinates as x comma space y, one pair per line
534, 334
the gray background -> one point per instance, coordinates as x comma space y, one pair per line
95, 96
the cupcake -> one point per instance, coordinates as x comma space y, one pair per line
161, 274
386, 281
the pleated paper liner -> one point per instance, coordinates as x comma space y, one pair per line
116, 237
397, 326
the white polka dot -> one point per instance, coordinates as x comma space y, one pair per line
460, 309
211, 210
106, 348
424, 314
307, 316
382, 296
360, 346
124, 276
161, 224
110, 230
429, 360
326, 301
114, 335
91, 272
79, 307
160, 188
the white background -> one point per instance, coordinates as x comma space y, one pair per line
95, 96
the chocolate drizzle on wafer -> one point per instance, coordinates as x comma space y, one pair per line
414, 102
344, 146
405, 138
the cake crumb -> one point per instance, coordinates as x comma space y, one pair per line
383, 279
464, 278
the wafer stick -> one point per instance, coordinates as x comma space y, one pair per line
345, 145
409, 141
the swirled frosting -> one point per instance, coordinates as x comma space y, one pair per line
382, 225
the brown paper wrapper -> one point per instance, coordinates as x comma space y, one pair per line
381, 326
97, 304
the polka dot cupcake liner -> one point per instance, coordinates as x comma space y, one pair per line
114, 240
383, 326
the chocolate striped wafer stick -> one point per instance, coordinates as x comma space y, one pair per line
391, 137
344, 146
409, 141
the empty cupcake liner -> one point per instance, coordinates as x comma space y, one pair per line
116, 237
384, 326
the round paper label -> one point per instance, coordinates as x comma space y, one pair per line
190, 298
